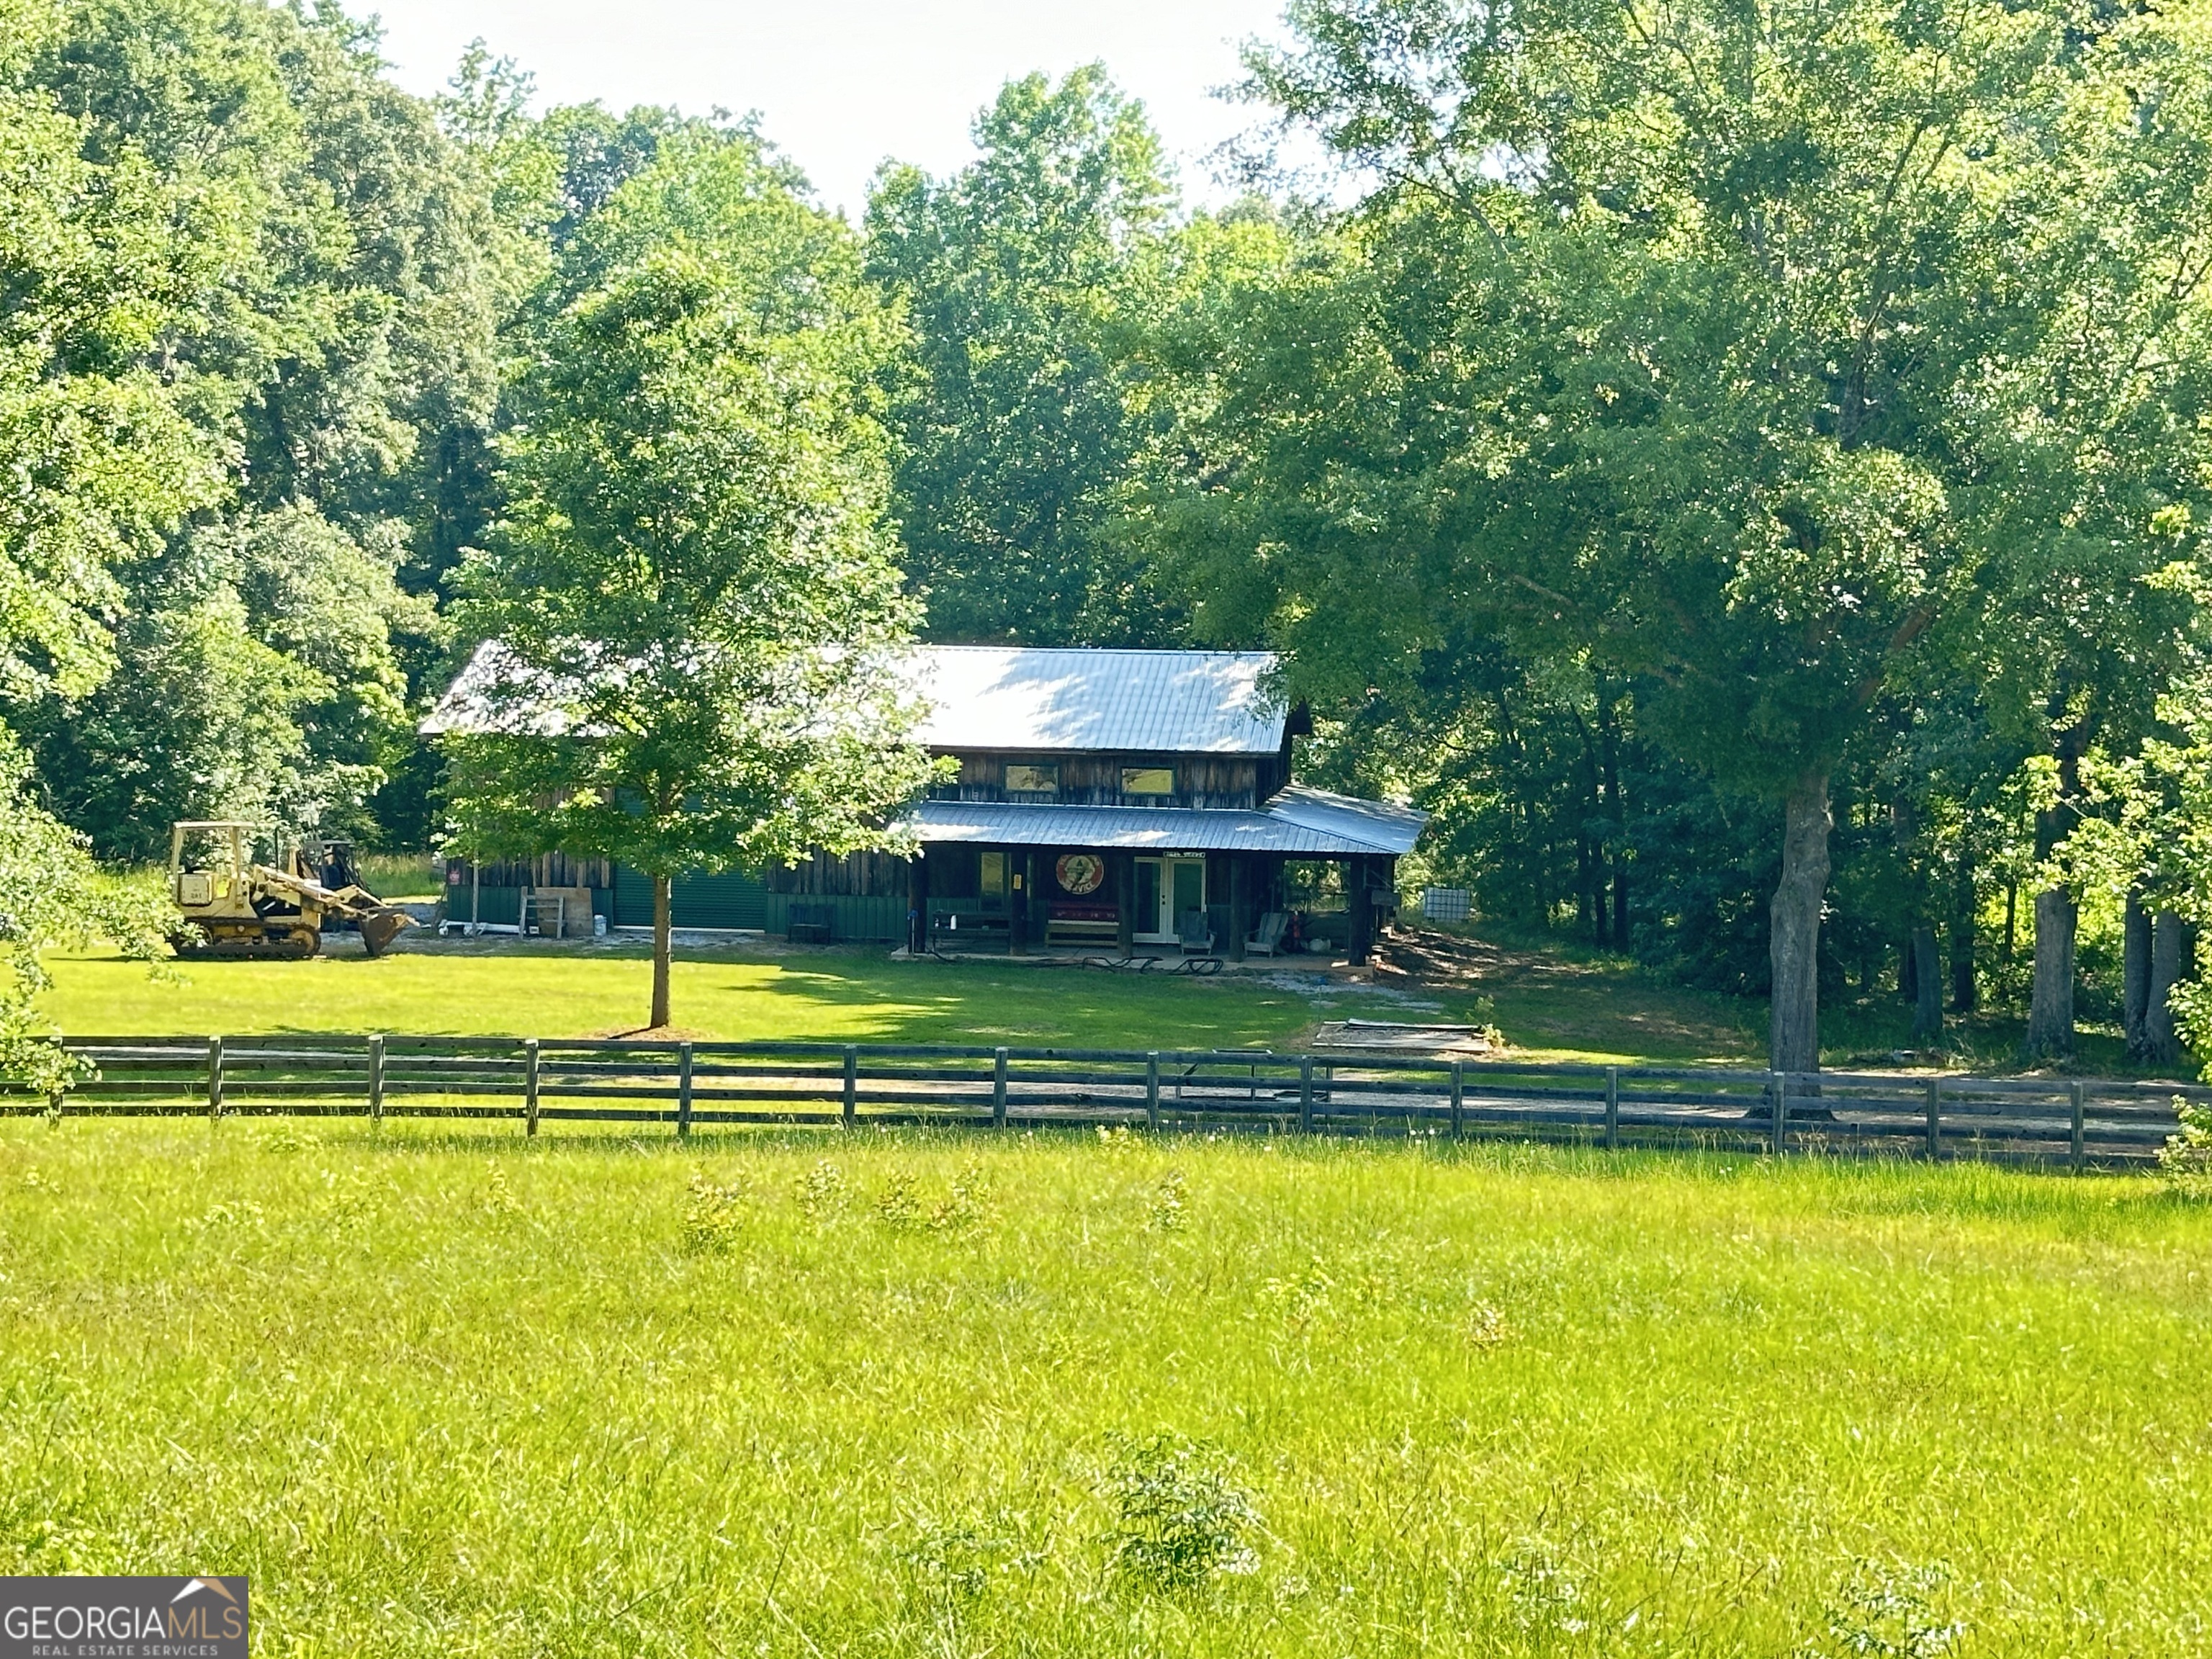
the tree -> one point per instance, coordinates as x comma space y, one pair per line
1025, 277
692, 593
1738, 347
285, 281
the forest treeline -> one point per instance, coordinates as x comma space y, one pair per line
1744, 469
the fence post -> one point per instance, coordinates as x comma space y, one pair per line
851, 1104
1612, 1107
1935, 1118
1459, 1098
215, 1079
376, 1081
1153, 1090
1778, 1083
530, 1085
683, 1091
2076, 1151
1305, 1094
999, 1091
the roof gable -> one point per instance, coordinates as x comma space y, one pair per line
1012, 697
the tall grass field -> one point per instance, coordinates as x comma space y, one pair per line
937, 1394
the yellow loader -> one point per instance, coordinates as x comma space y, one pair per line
234, 907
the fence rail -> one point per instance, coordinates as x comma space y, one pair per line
690, 1085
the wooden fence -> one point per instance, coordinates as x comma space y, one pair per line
691, 1085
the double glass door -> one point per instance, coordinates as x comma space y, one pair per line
1166, 889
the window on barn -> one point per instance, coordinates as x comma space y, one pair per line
1032, 782
1152, 780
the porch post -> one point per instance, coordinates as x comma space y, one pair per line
1125, 903
1363, 911
1239, 924
1017, 901
917, 899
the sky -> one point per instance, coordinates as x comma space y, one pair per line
841, 84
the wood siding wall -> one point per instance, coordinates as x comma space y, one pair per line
546, 869
856, 875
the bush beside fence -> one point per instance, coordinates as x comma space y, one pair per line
690, 1085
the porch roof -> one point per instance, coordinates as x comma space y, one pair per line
1299, 822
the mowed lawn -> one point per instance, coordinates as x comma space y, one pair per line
907, 1394
1566, 1012
831, 995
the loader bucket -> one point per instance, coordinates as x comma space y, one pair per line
379, 927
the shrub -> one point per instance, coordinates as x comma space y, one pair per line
1179, 1515
1889, 1614
2186, 1157
820, 1191
967, 1206
1167, 1214
713, 1216
896, 1205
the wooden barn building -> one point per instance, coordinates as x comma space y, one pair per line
1107, 801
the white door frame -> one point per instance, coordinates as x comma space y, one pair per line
1161, 930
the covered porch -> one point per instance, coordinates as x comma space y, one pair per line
1133, 880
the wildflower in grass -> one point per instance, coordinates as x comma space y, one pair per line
1543, 1595
33, 1181
1167, 1214
820, 1193
2186, 1157
897, 1206
713, 1216
952, 1564
967, 1206
498, 1200
220, 1216
1180, 1517
292, 1139
1486, 1326
1302, 1297
1889, 1612
1117, 1142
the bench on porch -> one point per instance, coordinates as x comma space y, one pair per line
955, 927
1082, 924
810, 924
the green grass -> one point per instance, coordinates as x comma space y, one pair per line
839, 995
473, 1396
399, 875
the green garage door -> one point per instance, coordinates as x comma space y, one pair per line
724, 900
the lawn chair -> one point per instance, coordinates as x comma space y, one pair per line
1269, 939
1194, 934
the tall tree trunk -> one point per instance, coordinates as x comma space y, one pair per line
1928, 986
1793, 1041
2051, 1005
1584, 882
663, 888
2135, 974
1964, 991
2161, 1042
1617, 813
2050, 1002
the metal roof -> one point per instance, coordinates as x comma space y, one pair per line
989, 697
986, 697
1299, 822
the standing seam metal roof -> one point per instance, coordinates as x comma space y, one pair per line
1013, 697
1299, 822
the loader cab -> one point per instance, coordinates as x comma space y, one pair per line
207, 863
